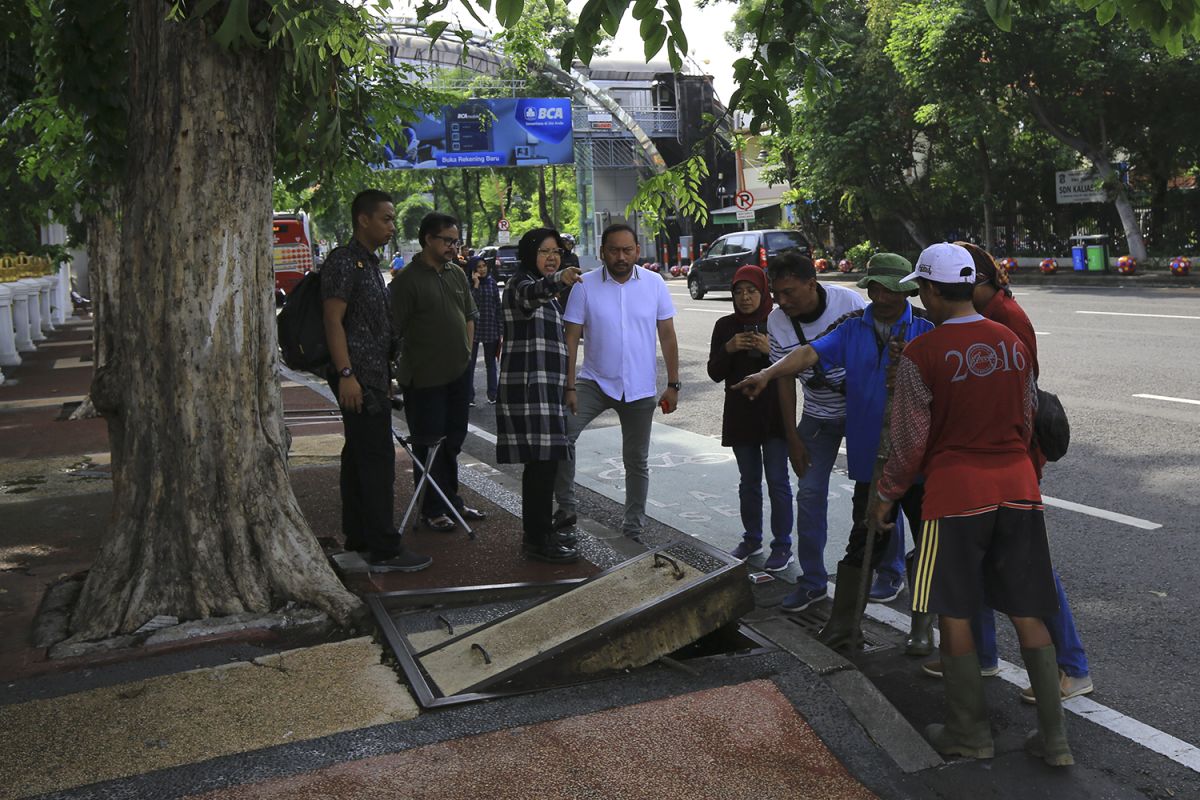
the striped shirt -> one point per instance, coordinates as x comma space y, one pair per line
819, 401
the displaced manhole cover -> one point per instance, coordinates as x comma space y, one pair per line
813, 621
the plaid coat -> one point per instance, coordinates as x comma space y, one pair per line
531, 415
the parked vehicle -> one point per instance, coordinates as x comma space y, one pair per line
714, 272
292, 252
501, 260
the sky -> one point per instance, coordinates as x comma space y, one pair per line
705, 29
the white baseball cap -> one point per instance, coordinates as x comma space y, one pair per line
944, 263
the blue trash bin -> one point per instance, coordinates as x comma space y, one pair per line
1079, 258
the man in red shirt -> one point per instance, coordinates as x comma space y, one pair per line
962, 416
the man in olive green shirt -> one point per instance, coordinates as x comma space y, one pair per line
433, 315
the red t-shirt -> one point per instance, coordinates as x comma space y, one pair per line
962, 417
1008, 312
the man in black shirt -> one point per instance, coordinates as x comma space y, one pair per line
358, 330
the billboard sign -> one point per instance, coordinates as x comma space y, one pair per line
510, 132
1079, 186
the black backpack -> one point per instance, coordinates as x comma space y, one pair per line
301, 324
1050, 426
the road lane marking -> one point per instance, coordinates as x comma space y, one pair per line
1124, 726
1131, 314
481, 433
707, 310
1111, 516
1168, 399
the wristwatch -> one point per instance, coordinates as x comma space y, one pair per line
346, 372
676, 385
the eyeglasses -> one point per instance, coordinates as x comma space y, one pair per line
621, 251
550, 251
449, 242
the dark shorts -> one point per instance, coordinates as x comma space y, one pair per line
998, 557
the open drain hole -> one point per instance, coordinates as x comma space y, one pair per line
474, 643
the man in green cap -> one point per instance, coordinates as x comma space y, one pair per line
859, 344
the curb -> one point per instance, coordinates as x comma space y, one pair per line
1068, 280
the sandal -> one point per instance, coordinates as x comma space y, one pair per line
441, 523
471, 513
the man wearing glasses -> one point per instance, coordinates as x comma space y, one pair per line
623, 309
433, 316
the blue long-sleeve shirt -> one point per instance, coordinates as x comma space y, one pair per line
855, 345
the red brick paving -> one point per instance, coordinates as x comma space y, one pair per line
743, 741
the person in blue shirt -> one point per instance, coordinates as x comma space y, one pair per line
862, 343
397, 262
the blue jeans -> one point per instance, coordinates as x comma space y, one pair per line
751, 459
1068, 647
822, 438
491, 354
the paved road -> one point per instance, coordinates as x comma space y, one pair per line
1125, 366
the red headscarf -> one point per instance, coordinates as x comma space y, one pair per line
758, 277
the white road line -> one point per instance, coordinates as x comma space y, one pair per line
1124, 726
1111, 516
1044, 333
481, 433
707, 310
1168, 399
1130, 314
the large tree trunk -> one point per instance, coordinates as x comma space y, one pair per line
204, 519
103, 243
985, 165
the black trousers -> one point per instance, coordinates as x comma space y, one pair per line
537, 499
368, 477
433, 412
910, 504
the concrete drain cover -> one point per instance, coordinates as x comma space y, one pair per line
475, 642
813, 621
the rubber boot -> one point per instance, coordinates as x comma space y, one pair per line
966, 732
1049, 741
843, 628
920, 638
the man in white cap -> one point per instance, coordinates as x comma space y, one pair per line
962, 416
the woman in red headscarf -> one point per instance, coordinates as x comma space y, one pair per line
753, 428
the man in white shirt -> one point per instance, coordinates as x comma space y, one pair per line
808, 308
624, 309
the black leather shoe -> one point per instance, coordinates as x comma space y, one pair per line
471, 513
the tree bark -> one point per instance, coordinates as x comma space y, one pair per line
204, 519
543, 205
985, 164
103, 246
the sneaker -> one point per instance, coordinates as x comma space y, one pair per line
1071, 687
801, 599
934, 669
885, 589
747, 547
491, 401
404, 561
779, 559
471, 404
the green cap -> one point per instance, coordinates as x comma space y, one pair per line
889, 270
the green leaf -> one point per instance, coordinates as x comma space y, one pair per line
655, 41
434, 30
650, 25
643, 7
1106, 11
1001, 13
509, 11
235, 29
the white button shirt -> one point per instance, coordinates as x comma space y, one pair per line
620, 322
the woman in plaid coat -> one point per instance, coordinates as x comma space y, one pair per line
531, 421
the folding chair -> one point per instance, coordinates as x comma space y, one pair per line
434, 444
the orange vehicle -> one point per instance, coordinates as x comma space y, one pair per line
292, 251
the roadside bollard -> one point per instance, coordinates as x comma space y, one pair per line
62, 295
9, 357
1181, 265
821, 264
20, 313
46, 287
1049, 266
1126, 265
33, 292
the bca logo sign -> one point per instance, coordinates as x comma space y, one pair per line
532, 113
